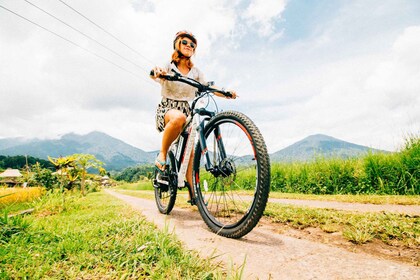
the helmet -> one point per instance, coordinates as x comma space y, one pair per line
187, 34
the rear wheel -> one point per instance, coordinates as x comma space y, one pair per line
165, 186
231, 197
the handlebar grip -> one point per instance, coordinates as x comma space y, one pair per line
228, 94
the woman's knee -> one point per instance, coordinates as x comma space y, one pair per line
175, 118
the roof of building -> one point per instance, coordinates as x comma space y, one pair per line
11, 173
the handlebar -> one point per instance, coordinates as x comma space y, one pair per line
201, 88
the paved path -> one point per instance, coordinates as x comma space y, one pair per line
268, 255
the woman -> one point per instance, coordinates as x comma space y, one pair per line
173, 110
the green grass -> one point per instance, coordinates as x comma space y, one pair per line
360, 198
359, 228
97, 237
139, 186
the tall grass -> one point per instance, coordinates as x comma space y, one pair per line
379, 173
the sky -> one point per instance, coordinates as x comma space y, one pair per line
347, 69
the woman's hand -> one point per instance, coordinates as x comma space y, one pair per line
157, 72
233, 93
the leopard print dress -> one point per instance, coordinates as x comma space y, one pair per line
167, 104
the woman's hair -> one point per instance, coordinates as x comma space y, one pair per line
176, 56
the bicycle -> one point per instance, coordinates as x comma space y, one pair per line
231, 166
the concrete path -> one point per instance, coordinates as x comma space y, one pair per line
268, 255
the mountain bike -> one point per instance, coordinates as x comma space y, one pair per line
231, 166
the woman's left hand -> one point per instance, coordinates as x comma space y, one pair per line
233, 93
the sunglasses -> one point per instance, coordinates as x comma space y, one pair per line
185, 42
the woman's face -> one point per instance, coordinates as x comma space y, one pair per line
186, 46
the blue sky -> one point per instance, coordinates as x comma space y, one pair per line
348, 69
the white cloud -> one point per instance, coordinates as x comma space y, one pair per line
263, 14
355, 76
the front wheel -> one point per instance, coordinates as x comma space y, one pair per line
232, 193
165, 186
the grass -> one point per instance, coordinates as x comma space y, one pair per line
139, 186
360, 198
375, 173
97, 237
392, 229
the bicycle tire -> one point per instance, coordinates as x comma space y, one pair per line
220, 199
165, 195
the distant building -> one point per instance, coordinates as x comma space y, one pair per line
10, 177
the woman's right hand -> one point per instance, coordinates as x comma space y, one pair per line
157, 71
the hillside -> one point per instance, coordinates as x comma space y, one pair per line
115, 153
320, 145
118, 155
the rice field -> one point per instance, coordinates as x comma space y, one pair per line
9, 196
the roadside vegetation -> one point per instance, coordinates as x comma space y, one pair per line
359, 228
96, 237
391, 174
353, 198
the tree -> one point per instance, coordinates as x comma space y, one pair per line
43, 176
63, 165
83, 163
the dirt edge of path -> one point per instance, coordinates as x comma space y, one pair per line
377, 248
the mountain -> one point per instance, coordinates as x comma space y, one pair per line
118, 155
319, 145
115, 153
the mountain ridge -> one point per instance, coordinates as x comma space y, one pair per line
320, 145
117, 154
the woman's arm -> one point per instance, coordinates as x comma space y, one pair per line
232, 92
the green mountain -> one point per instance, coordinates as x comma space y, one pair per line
118, 155
115, 153
320, 145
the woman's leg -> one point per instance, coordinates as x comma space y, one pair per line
174, 121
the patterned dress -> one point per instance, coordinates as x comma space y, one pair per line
175, 95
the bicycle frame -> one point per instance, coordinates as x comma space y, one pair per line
183, 149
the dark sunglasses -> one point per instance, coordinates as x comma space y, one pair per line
185, 42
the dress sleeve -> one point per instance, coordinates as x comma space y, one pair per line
168, 69
200, 77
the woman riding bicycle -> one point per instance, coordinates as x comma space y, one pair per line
173, 110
